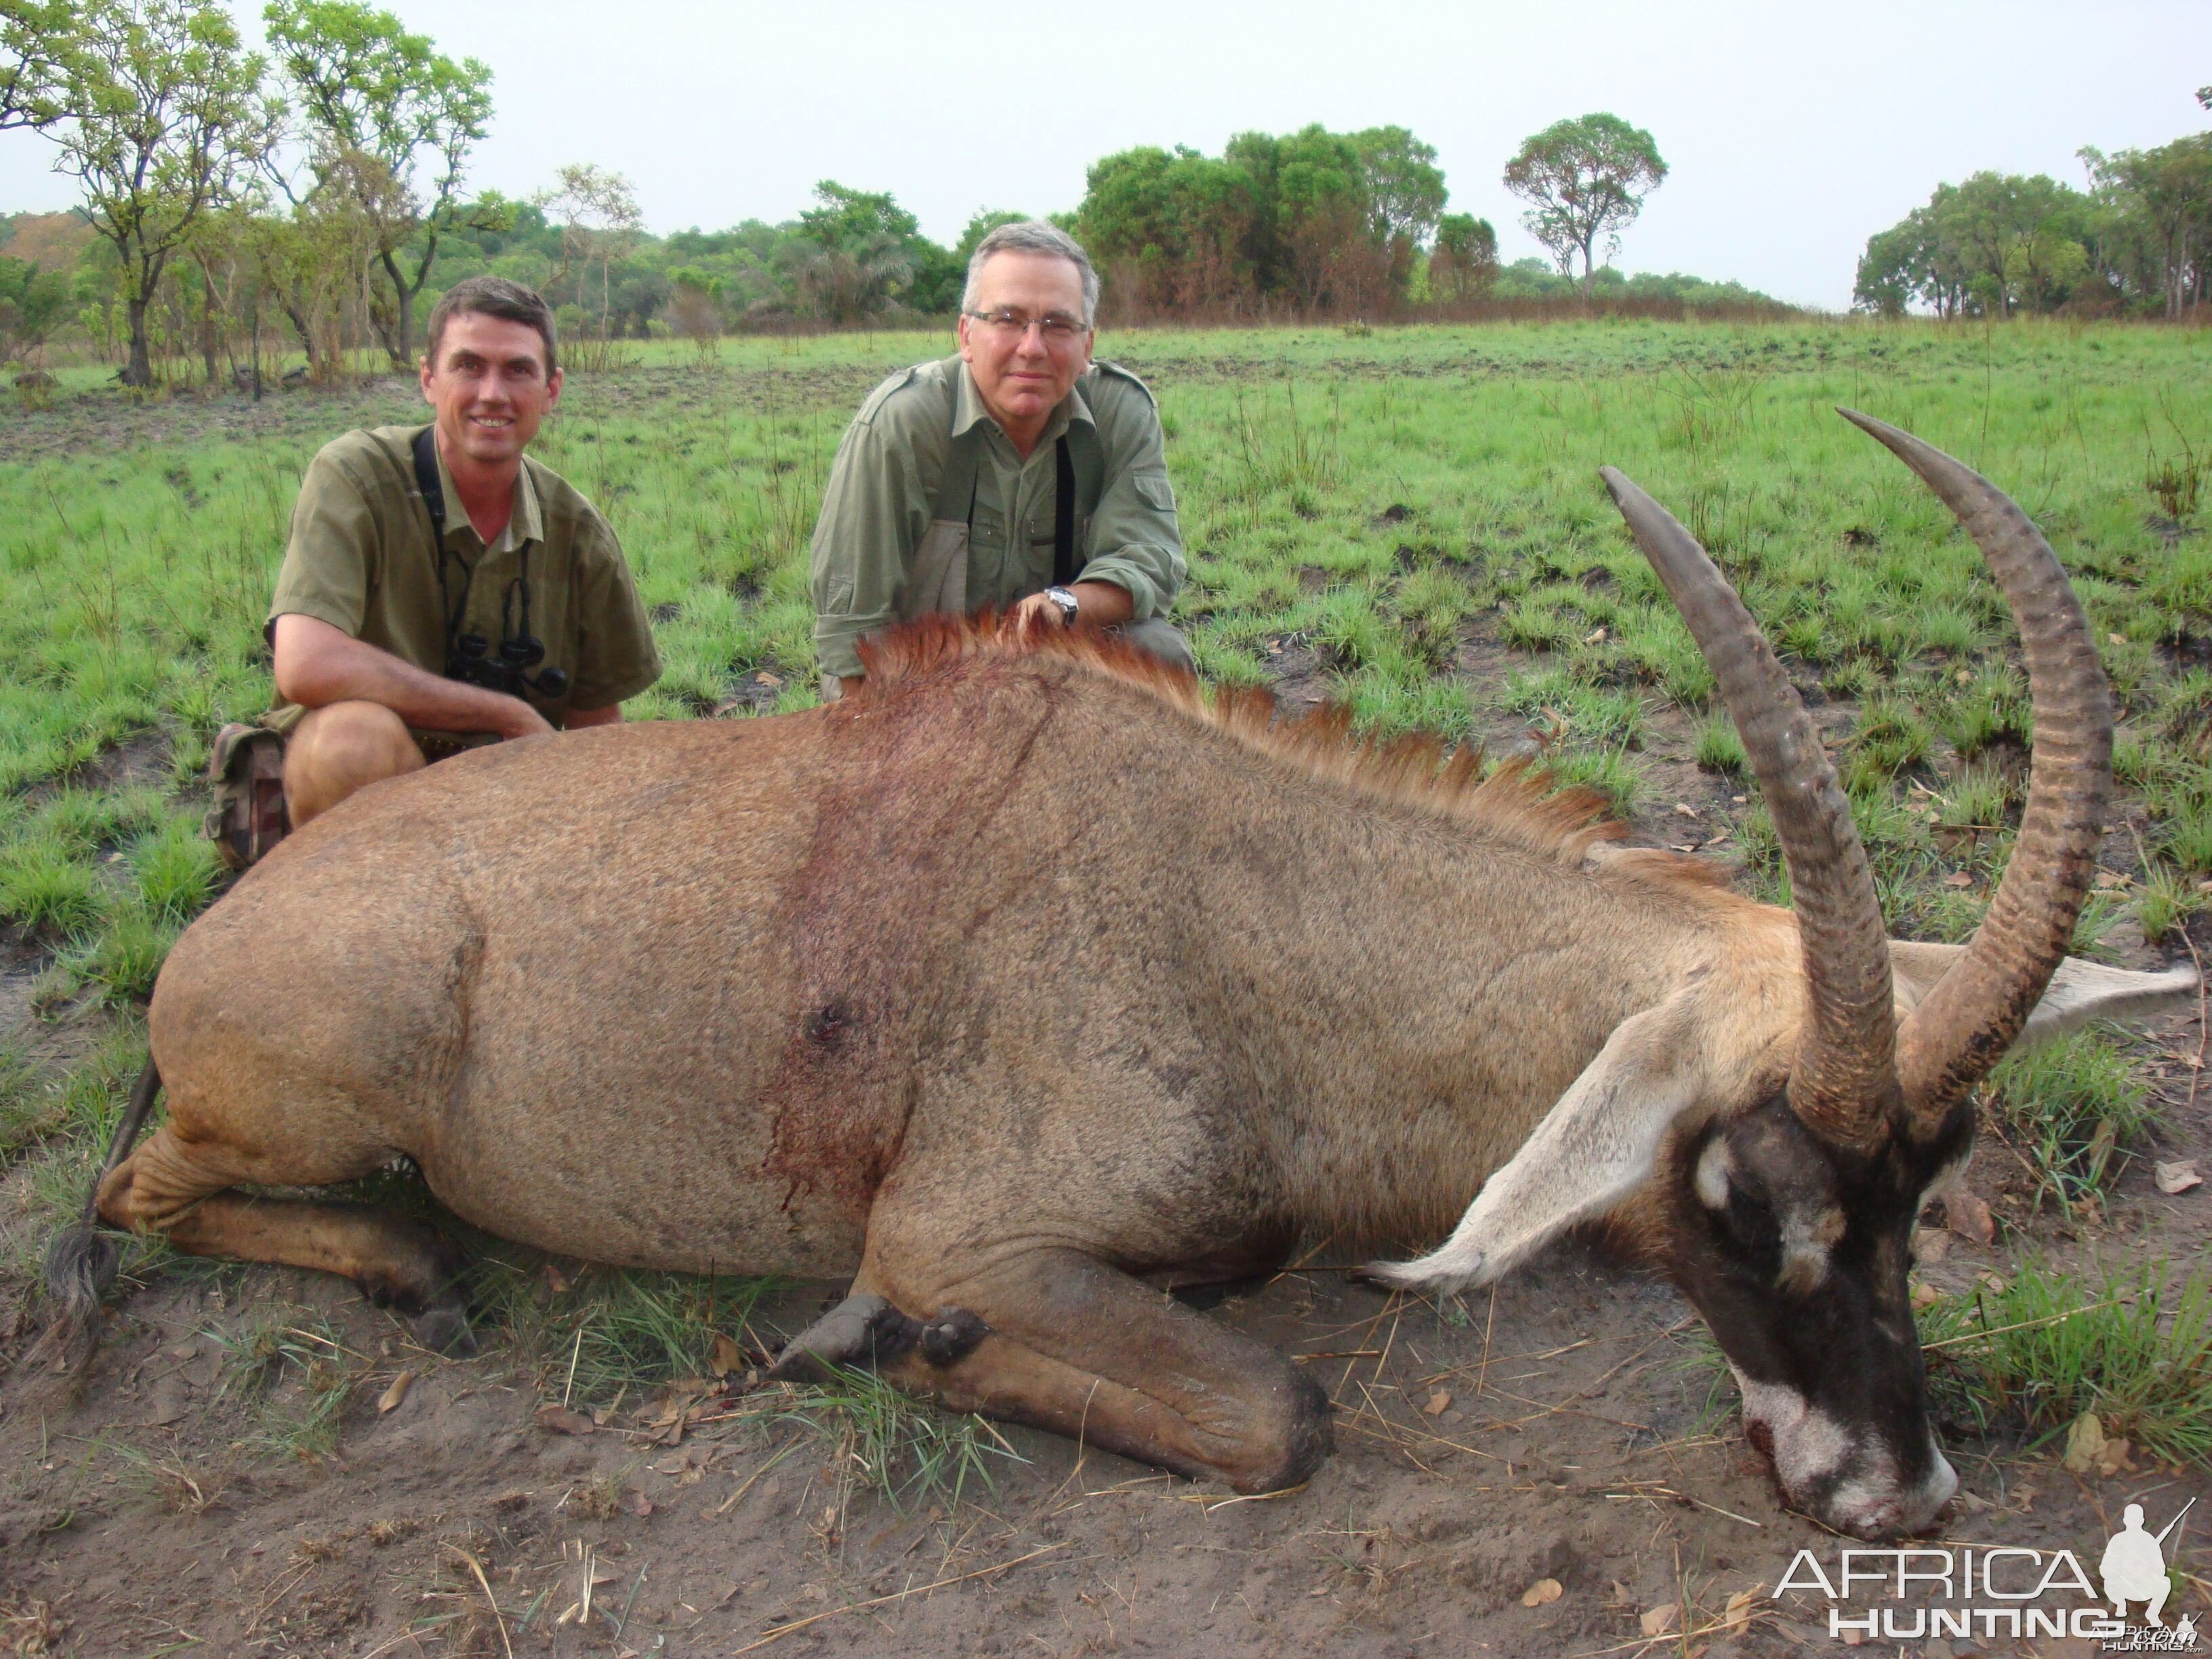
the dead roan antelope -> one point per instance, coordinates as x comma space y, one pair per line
1027, 982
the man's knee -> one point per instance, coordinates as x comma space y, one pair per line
340, 748
1163, 639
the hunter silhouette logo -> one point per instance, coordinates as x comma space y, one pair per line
1990, 1592
2134, 1568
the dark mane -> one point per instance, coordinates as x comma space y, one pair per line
1517, 800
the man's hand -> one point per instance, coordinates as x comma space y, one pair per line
1100, 604
317, 663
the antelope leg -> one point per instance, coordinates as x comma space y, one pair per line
180, 1189
1069, 1344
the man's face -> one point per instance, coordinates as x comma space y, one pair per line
1021, 376
489, 386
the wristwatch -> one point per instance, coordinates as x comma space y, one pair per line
1068, 603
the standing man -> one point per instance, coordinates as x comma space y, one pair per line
1018, 474
440, 591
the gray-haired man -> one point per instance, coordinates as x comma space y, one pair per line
1019, 474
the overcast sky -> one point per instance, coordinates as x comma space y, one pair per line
1793, 131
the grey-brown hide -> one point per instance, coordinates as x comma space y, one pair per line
1018, 976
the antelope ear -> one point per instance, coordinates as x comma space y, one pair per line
1592, 1150
2079, 991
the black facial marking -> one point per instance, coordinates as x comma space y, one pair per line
1800, 1275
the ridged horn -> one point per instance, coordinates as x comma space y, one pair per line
1844, 1080
1963, 1026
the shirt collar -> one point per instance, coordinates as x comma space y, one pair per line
969, 411
524, 521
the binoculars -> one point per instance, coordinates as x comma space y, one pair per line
473, 663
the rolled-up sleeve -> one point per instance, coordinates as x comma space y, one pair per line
618, 659
1134, 540
326, 573
874, 514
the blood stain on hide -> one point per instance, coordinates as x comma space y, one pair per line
823, 1025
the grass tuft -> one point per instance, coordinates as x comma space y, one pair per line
2075, 1106
2133, 1346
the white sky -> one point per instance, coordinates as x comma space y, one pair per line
1793, 131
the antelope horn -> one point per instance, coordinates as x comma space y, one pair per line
1962, 1027
1844, 1078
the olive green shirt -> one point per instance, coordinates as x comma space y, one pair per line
361, 559
929, 421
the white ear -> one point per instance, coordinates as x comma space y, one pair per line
1593, 1149
2079, 991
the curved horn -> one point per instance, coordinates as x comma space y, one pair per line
1843, 1077
1963, 1026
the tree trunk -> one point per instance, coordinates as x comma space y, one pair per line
139, 369
400, 342
307, 335
207, 328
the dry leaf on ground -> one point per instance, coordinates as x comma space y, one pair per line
390, 1399
1543, 1591
2085, 1443
1437, 1404
1968, 1217
559, 1419
1738, 1613
726, 1356
2177, 1177
1657, 1621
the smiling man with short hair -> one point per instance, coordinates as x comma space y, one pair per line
1019, 474
439, 590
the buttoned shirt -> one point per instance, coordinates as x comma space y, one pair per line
927, 428
361, 558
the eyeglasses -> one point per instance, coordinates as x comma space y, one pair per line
1055, 328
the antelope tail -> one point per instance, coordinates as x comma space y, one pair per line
82, 1259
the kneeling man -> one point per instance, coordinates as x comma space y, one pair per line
439, 590
1019, 474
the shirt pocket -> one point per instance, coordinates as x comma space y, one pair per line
1153, 490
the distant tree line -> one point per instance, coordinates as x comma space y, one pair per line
314, 199
2138, 240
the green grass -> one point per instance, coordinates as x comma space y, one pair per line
1378, 511
2133, 1346
2072, 1106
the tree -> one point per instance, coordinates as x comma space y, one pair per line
985, 220
2163, 197
1173, 230
1587, 180
695, 301
600, 220
167, 123
379, 105
33, 303
37, 38
855, 253
1406, 193
1464, 262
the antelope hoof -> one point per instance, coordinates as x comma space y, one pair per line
862, 1330
952, 1335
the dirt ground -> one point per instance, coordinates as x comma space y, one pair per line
1563, 1430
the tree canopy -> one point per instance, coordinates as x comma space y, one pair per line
389, 123
1586, 180
166, 124
1998, 244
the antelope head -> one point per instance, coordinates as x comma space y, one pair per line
1781, 1196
